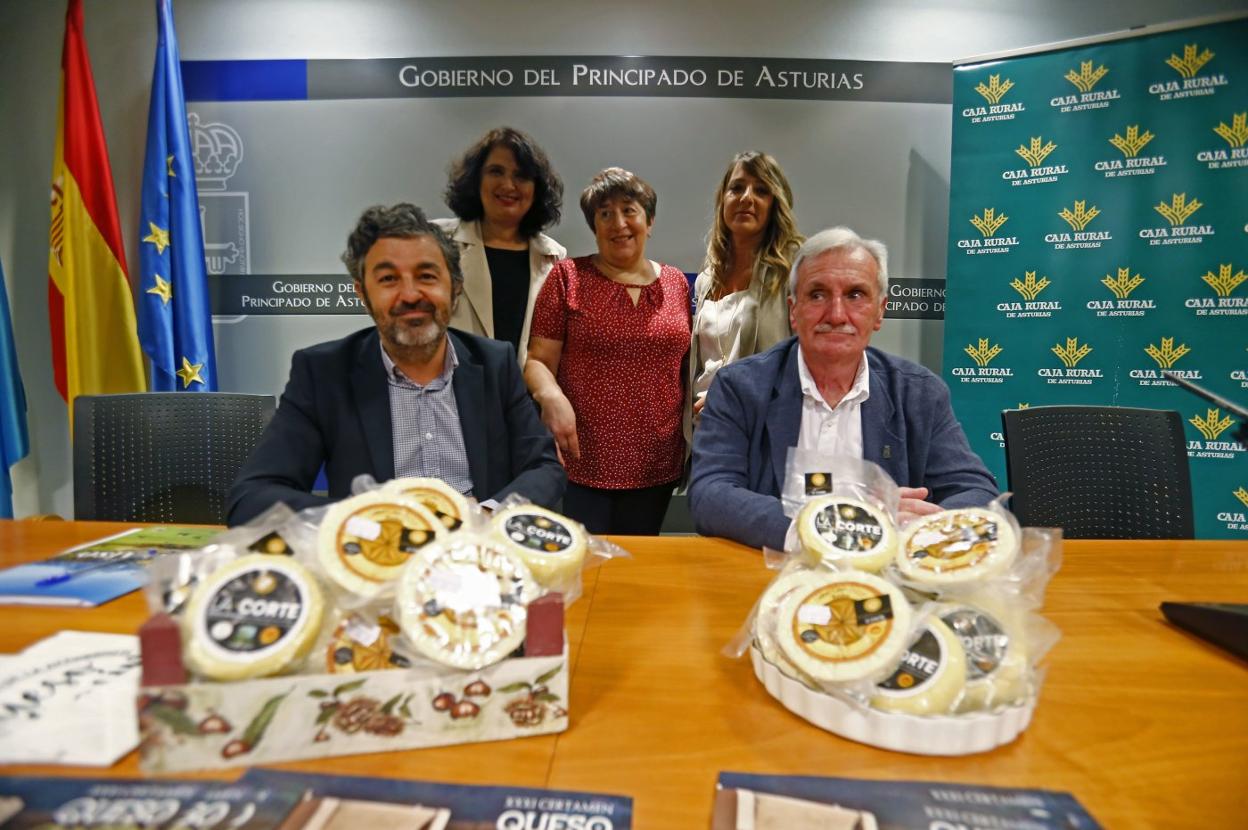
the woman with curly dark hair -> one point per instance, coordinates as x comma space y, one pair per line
504, 193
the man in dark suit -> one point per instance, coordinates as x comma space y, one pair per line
407, 397
827, 392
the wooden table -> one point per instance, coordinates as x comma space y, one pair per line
1144, 724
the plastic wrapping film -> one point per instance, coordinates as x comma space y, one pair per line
966, 586
395, 576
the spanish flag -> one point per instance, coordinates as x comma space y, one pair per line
95, 348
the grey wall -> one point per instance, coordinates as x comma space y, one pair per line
311, 166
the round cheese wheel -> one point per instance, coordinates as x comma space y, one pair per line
957, 546
358, 644
930, 676
252, 617
843, 626
551, 545
440, 498
845, 530
996, 653
365, 541
463, 602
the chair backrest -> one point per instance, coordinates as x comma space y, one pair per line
1100, 472
162, 456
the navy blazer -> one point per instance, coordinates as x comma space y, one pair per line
336, 411
753, 415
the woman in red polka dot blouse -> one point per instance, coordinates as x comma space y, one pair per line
606, 364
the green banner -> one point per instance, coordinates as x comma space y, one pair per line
1098, 234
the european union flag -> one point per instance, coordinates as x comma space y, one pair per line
14, 440
175, 318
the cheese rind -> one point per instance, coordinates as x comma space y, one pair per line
957, 546
930, 676
435, 495
552, 545
766, 623
365, 541
839, 529
254, 616
463, 602
843, 626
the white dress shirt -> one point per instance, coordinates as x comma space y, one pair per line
826, 429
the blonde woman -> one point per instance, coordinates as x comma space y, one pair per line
741, 303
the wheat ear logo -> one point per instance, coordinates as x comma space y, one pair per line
995, 89
1167, 355
1086, 77
1191, 62
1029, 286
989, 221
1179, 209
1242, 495
1225, 282
1072, 352
1079, 218
1036, 153
1134, 141
983, 353
1212, 425
1123, 284
1235, 135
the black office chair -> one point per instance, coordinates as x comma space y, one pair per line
162, 456
1100, 472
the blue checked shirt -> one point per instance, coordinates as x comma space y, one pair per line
428, 438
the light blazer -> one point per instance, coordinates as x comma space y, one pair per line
753, 415
336, 411
475, 312
763, 319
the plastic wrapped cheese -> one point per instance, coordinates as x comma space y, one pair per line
993, 638
252, 617
930, 676
844, 530
366, 540
957, 546
842, 626
440, 498
552, 545
463, 602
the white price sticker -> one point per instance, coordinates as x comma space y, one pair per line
363, 528
814, 614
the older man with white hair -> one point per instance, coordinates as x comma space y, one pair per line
828, 391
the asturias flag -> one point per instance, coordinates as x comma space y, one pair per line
14, 442
90, 308
175, 320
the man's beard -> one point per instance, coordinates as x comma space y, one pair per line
412, 341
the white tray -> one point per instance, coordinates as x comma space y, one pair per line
927, 735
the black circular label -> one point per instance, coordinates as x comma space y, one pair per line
537, 532
918, 665
848, 527
983, 638
254, 610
